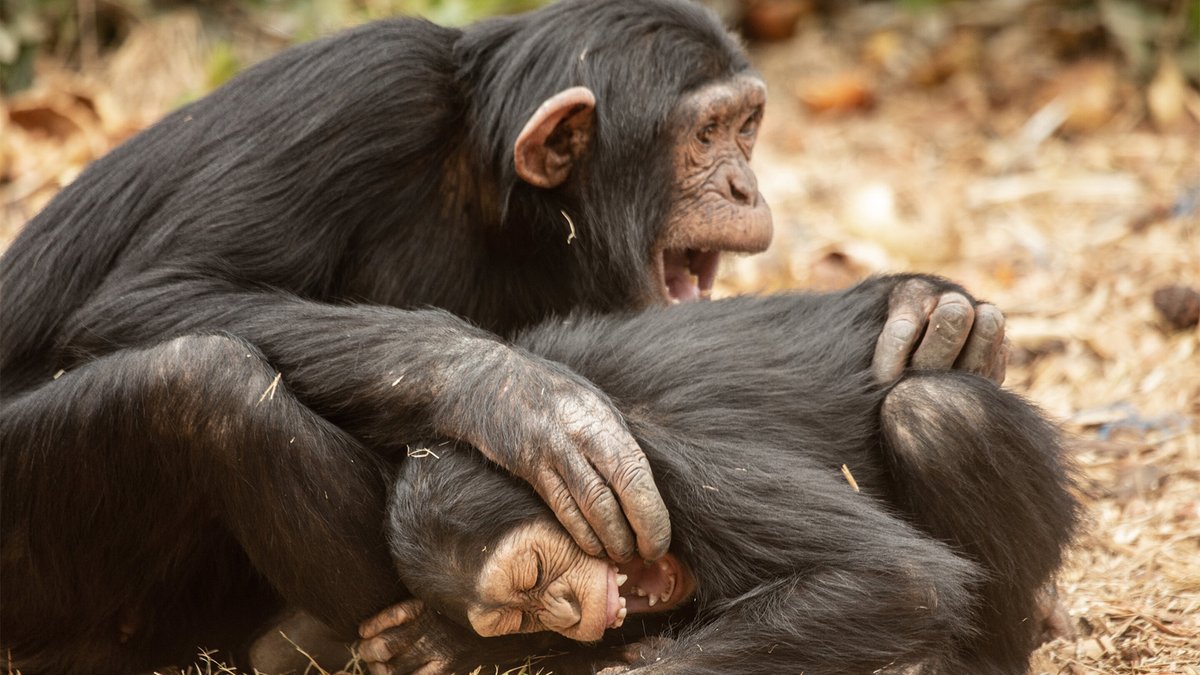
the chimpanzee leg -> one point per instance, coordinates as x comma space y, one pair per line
119, 474
293, 642
984, 473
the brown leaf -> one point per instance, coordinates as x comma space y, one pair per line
1178, 305
839, 93
774, 20
1166, 93
1088, 89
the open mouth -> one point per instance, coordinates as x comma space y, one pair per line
687, 274
635, 588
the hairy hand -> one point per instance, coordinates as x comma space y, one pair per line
405, 639
933, 329
552, 428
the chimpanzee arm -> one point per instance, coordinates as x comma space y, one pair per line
387, 375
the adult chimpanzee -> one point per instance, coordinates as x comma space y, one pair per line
214, 339
762, 423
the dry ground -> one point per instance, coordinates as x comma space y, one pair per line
949, 145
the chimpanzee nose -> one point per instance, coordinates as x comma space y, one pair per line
561, 611
740, 185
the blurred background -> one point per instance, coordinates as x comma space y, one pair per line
1045, 154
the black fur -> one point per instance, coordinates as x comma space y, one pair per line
747, 409
302, 220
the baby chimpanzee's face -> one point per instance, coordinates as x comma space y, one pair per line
538, 579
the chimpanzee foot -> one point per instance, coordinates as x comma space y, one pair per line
296, 642
404, 639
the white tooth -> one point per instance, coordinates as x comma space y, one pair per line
621, 579
623, 602
639, 592
620, 620
665, 596
653, 599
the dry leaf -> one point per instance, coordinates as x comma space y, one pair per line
840, 93
1166, 93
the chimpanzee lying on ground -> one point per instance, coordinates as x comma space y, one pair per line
761, 422
215, 340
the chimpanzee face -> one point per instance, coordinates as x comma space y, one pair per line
537, 579
716, 205
713, 202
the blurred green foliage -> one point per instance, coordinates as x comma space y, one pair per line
449, 12
318, 17
58, 26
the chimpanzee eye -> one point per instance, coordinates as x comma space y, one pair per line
537, 583
705, 135
750, 127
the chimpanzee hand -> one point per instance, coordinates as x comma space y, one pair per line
552, 428
404, 638
958, 333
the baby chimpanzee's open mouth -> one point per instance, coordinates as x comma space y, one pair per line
636, 587
687, 274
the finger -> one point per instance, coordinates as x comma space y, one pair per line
593, 435
555, 493
433, 668
598, 503
378, 669
1000, 365
392, 617
983, 352
892, 348
628, 472
909, 307
381, 648
949, 325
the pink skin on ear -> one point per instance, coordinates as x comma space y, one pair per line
554, 137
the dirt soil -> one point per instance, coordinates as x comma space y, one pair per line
960, 144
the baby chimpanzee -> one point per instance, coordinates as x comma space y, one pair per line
823, 523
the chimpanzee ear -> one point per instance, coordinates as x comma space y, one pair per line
555, 137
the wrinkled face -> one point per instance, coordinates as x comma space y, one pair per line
716, 205
538, 579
